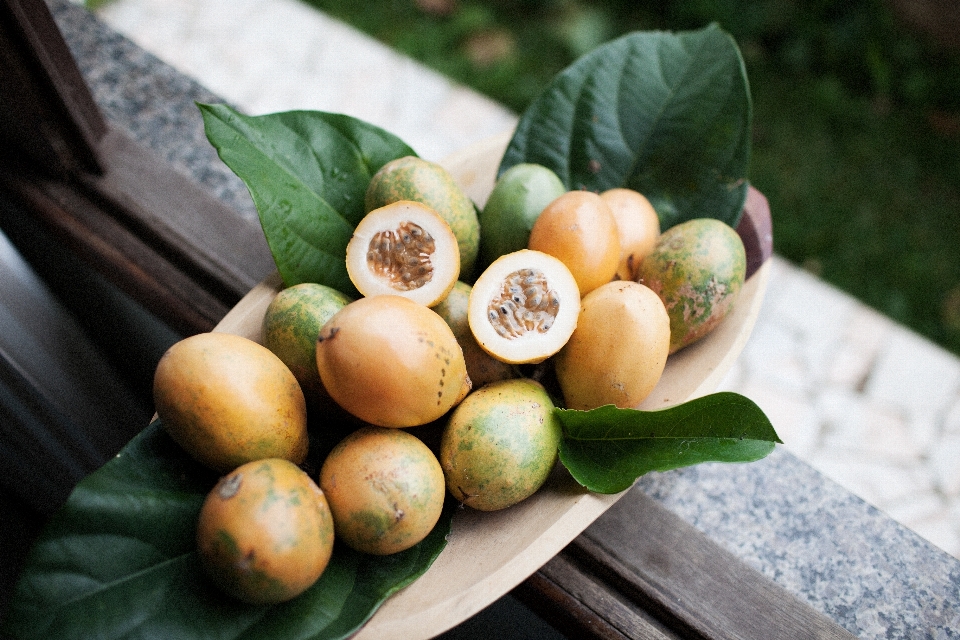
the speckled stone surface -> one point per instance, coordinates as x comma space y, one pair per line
150, 100
825, 545
814, 538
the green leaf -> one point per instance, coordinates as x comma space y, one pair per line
307, 172
666, 114
607, 449
118, 561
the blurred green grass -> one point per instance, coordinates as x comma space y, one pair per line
856, 125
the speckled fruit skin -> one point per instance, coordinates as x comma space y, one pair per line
291, 324
697, 268
500, 444
385, 488
619, 349
413, 178
265, 532
228, 400
518, 197
637, 225
481, 366
391, 362
579, 229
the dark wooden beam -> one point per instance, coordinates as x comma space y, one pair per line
180, 253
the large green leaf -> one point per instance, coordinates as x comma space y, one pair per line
666, 114
607, 449
118, 561
307, 172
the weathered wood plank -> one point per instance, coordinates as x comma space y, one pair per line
580, 605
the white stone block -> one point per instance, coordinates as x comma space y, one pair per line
945, 462
871, 431
878, 483
792, 416
914, 374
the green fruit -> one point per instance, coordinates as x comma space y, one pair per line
500, 444
413, 178
697, 268
516, 201
291, 325
481, 366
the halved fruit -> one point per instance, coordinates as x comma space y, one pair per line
524, 307
405, 249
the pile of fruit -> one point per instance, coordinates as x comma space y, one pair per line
577, 302
424, 356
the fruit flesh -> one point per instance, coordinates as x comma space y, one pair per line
524, 307
402, 256
526, 303
404, 248
265, 532
419, 180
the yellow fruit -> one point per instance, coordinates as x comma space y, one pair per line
524, 307
406, 249
385, 489
265, 532
391, 362
228, 400
619, 349
637, 225
579, 229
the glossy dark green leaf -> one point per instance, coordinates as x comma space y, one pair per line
607, 449
118, 561
667, 114
307, 172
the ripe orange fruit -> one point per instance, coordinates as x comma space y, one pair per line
579, 229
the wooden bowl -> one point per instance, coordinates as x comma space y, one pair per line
488, 554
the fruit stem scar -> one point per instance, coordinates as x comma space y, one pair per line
230, 486
464, 496
333, 332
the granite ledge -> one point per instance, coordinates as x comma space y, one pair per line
845, 558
